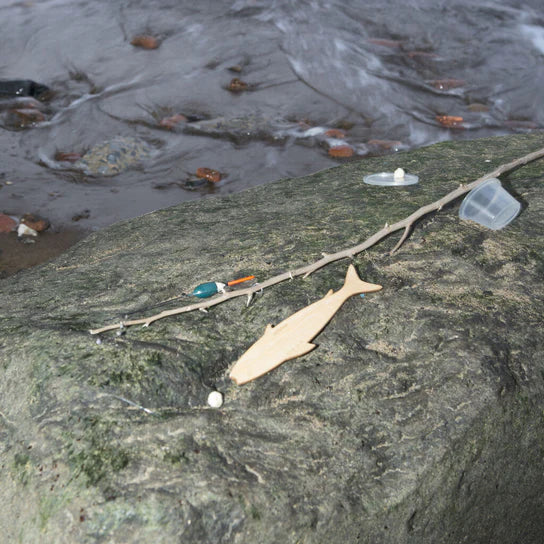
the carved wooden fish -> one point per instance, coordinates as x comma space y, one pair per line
291, 338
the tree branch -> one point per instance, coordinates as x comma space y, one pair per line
305, 271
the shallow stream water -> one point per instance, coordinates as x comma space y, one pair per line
389, 76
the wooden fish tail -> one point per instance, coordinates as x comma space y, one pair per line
354, 285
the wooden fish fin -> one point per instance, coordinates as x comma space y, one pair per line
300, 349
354, 284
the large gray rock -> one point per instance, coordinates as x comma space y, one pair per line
419, 418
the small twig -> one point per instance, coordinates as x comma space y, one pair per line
405, 235
305, 271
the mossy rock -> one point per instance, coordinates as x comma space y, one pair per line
419, 418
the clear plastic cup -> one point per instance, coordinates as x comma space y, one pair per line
490, 205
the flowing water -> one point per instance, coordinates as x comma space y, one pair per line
390, 76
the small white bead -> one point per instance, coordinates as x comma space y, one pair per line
215, 399
398, 174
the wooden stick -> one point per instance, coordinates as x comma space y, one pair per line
305, 271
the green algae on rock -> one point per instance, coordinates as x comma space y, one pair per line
419, 418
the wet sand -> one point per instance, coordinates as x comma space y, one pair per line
16, 255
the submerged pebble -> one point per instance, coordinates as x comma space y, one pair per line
29, 116
7, 223
39, 224
447, 84
236, 85
172, 121
335, 133
450, 121
207, 173
67, 156
341, 151
113, 156
145, 42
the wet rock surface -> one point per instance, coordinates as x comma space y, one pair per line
241, 129
418, 418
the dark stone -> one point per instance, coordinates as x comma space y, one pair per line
22, 87
419, 418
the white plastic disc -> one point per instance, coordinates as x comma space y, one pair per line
389, 179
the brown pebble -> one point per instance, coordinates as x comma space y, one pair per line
35, 222
29, 116
145, 42
67, 156
172, 121
335, 133
341, 151
477, 107
209, 174
7, 224
384, 43
385, 144
447, 84
237, 68
236, 85
450, 121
